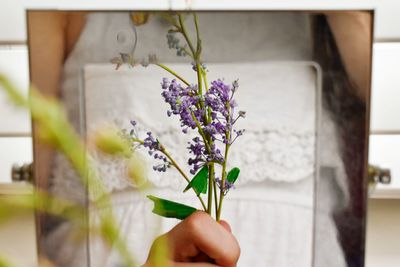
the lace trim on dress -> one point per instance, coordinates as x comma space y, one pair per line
265, 155
279, 154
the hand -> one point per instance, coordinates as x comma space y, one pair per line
198, 241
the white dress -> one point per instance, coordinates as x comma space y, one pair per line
271, 211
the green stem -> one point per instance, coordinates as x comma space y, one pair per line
185, 34
223, 175
201, 132
215, 198
199, 78
205, 79
173, 73
196, 23
210, 187
187, 52
175, 164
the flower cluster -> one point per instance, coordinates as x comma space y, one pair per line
212, 114
154, 147
183, 101
206, 109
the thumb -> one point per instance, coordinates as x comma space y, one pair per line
226, 225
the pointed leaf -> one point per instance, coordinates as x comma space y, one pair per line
170, 209
199, 181
233, 175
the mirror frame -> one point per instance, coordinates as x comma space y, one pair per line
209, 5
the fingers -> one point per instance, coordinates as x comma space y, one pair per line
199, 233
194, 264
186, 264
226, 225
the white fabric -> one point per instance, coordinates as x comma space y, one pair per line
278, 150
271, 211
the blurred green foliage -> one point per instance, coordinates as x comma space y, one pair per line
55, 130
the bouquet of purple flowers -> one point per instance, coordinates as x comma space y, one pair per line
210, 110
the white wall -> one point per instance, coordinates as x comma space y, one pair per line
383, 234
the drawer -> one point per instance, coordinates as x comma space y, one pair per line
13, 150
14, 64
384, 151
385, 98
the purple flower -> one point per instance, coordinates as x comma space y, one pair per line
212, 114
197, 148
172, 40
151, 144
220, 99
227, 187
173, 43
183, 101
215, 154
164, 83
202, 65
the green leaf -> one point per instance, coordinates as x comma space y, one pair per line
233, 175
199, 181
170, 209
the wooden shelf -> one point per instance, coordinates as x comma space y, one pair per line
17, 188
385, 193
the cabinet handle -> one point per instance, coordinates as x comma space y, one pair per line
22, 173
377, 174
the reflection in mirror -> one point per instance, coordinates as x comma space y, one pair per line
303, 80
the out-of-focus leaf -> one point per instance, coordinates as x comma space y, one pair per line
109, 141
199, 181
5, 262
170, 209
14, 205
137, 169
55, 129
233, 175
160, 253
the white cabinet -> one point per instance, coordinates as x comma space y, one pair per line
387, 20
15, 126
13, 150
384, 151
14, 64
385, 98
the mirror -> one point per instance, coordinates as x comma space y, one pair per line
303, 79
